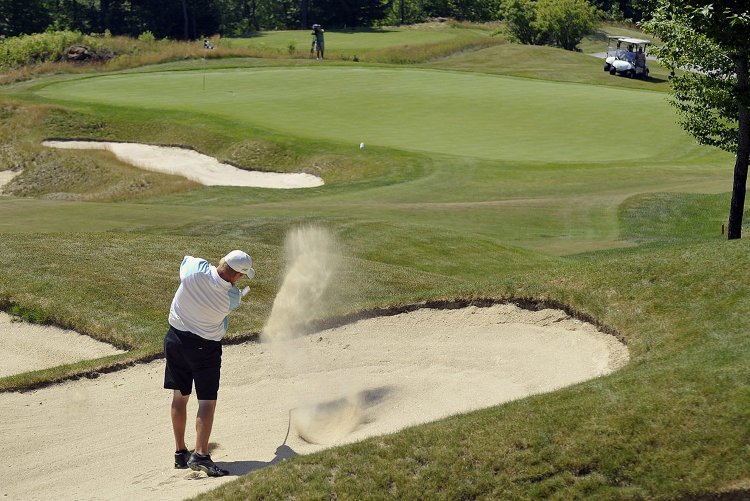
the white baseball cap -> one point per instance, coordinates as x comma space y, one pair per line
240, 262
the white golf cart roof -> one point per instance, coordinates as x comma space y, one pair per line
629, 40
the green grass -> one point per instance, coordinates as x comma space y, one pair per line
356, 41
615, 213
387, 44
464, 114
551, 64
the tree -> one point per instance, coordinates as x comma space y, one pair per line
565, 22
348, 13
561, 22
520, 21
303, 13
282, 14
711, 40
626, 9
237, 17
405, 12
22, 17
476, 10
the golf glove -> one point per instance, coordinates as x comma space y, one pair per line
234, 298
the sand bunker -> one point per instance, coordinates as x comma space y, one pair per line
192, 165
27, 347
6, 176
368, 378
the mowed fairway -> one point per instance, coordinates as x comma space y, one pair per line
464, 114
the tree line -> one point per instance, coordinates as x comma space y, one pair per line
192, 19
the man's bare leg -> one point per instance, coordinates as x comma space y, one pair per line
179, 418
203, 424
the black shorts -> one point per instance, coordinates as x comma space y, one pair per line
192, 358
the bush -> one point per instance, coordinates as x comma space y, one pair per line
39, 48
146, 36
565, 22
520, 21
26, 50
561, 22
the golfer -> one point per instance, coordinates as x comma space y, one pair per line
198, 321
319, 41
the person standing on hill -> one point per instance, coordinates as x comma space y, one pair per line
319, 41
198, 320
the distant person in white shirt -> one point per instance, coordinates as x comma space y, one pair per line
198, 320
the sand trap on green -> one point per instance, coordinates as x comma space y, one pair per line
456, 113
192, 165
6, 176
28, 347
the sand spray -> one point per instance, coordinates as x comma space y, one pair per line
312, 259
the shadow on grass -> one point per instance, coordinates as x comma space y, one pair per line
599, 36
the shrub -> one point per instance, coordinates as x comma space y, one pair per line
565, 22
38, 48
146, 36
520, 21
52, 46
561, 22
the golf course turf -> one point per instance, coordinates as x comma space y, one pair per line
472, 186
464, 114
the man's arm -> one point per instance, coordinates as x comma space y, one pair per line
191, 265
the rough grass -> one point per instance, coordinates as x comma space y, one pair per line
64, 175
404, 44
411, 45
549, 63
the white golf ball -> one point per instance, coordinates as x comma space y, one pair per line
361, 146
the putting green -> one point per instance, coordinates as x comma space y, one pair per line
456, 113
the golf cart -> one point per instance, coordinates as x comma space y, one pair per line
626, 56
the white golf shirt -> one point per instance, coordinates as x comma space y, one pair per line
202, 301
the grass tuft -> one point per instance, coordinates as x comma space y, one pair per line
26, 314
